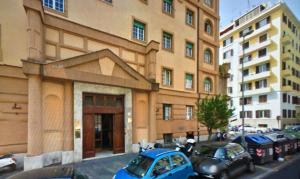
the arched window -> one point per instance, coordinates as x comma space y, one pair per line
208, 27
208, 3
207, 85
208, 56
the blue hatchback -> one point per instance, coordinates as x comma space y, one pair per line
158, 164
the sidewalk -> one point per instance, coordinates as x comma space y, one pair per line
103, 168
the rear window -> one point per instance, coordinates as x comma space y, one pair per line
237, 149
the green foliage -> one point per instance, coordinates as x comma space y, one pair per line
214, 112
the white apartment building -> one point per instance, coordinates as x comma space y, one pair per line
262, 51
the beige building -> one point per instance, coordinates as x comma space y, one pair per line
82, 77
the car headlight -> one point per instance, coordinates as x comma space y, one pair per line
213, 169
114, 177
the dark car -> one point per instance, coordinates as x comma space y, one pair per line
222, 161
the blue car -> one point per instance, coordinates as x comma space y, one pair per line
158, 164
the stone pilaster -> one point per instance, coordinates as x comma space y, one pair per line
152, 116
151, 51
68, 118
35, 129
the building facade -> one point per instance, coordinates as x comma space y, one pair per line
262, 50
82, 77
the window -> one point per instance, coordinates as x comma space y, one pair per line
57, 5
263, 68
261, 84
284, 97
228, 54
138, 30
263, 38
189, 17
247, 58
167, 111
246, 114
208, 27
246, 72
167, 41
229, 89
168, 138
263, 98
227, 41
168, 6
189, 112
167, 77
246, 101
178, 160
262, 52
284, 18
189, 81
189, 49
284, 113
246, 45
245, 31
263, 113
208, 56
263, 22
162, 166
208, 3
246, 86
289, 113
294, 114
207, 85
109, 1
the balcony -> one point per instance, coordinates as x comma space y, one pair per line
286, 56
287, 88
256, 91
286, 40
286, 72
257, 32
256, 61
256, 46
257, 76
227, 60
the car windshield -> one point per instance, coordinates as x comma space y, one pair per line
212, 152
139, 166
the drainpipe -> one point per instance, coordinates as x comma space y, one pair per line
197, 71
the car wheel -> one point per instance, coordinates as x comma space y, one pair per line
223, 175
251, 167
13, 167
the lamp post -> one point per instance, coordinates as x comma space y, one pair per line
243, 89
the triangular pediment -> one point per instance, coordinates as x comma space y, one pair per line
103, 67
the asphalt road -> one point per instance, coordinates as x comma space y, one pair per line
105, 168
289, 169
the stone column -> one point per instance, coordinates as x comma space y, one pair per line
152, 116
68, 119
35, 129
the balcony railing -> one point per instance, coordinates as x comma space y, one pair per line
255, 47
286, 72
286, 56
256, 61
256, 91
258, 32
257, 76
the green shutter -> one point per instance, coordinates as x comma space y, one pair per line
189, 45
167, 35
168, 1
139, 24
189, 77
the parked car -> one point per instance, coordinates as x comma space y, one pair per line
222, 161
248, 129
158, 164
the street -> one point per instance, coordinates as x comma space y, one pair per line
105, 168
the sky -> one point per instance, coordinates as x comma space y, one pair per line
232, 9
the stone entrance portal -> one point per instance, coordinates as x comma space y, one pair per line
103, 124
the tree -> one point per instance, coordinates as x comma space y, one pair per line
214, 112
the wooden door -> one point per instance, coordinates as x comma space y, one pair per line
88, 135
118, 133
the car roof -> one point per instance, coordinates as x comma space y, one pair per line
157, 152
